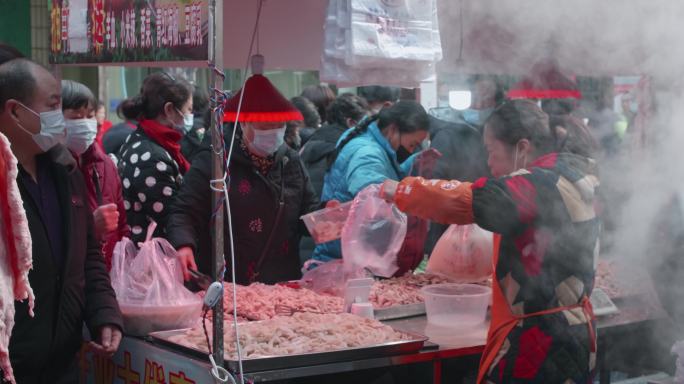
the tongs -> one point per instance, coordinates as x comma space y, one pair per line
201, 280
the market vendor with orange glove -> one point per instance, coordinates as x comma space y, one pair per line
540, 205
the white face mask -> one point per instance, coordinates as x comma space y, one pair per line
267, 142
188, 121
51, 129
80, 134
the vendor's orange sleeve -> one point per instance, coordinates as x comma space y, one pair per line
442, 201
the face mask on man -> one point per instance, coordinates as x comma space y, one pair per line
80, 134
51, 129
477, 116
188, 121
267, 142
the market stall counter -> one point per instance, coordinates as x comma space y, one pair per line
150, 361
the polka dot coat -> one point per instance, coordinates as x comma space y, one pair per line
150, 179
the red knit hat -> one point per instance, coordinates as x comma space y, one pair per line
545, 82
262, 101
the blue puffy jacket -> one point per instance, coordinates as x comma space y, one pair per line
367, 159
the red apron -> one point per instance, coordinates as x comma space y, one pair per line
503, 321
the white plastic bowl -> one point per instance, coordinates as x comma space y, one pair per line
326, 224
456, 305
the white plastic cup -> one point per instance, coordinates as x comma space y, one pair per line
363, 310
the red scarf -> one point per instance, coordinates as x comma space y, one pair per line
169, 139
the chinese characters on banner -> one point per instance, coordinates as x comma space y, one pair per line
120, 31
138, 362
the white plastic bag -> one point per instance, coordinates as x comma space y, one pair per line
373, 234
463, 253
149, 288
678, 349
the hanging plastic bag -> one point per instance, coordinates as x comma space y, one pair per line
373, 234
463, 253
149, 287
678, 349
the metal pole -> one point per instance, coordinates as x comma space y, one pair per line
217, 168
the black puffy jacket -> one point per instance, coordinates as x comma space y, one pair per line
318, 153
265, 215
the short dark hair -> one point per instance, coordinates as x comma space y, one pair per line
321, 96
379, 94
158, 89
8, 52
17, 81
308, 109
347, 106
76, 95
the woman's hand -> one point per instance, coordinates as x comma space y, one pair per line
332, 204
187, 259
106, 220
388, 190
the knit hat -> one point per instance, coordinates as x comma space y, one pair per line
262, 102
545, 82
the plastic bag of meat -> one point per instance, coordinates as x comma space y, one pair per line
463, 253
149, 287
373, 234
328, 278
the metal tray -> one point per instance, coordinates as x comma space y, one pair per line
399, 311
269, 363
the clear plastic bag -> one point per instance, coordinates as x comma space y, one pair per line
149, 287
463, 253
328, 278
373, 234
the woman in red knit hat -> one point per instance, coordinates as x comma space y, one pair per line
268, 189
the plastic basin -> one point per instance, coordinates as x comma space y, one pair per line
456, 305
326, 224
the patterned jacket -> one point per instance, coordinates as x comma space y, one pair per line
549, 233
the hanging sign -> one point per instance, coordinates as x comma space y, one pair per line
126, 31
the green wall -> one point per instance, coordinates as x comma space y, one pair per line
15, 24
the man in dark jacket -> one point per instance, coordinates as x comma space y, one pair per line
267, 196
463, 158
116, 136
69, 277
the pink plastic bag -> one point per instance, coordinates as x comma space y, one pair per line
149, 287
463, 253
373, 234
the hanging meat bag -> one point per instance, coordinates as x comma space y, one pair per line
373, 234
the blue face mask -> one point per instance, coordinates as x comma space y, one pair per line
476, 116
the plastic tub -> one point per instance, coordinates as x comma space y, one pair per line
326, 224
140, 320
456, 305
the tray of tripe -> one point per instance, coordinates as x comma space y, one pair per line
399, 311
303, 339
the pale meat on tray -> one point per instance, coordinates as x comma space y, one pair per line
402, 290
258, 301
297, 334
